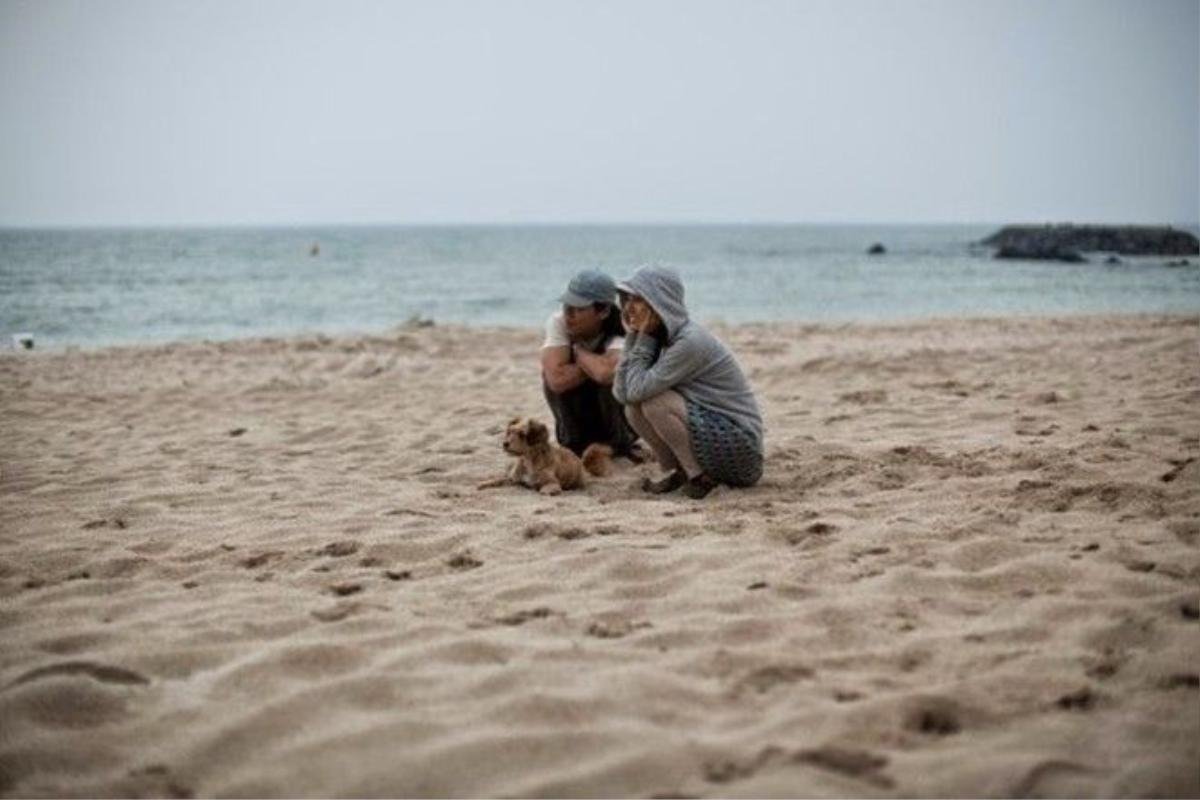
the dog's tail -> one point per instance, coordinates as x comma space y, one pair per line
597, 459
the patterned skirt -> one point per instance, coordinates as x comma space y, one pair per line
727, 452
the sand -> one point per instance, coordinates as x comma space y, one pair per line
262, 568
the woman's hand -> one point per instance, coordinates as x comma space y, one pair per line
627, 317
639, 316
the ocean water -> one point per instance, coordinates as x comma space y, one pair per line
100, 287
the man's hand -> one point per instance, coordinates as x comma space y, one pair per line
598, 367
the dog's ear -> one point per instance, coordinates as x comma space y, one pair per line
537, 433
514, 421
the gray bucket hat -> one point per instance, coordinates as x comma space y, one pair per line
587, 287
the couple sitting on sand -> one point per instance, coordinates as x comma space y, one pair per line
623, 360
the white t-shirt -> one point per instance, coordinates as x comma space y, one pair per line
556, 335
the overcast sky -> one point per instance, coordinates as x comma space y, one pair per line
136, 113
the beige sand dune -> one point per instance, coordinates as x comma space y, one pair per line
261, 568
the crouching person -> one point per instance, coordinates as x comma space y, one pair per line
684, 392
579, 357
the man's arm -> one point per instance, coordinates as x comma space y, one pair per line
558, 371
598, 366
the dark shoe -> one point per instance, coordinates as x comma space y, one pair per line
668, 483
699, 486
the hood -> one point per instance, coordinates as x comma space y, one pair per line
662, 288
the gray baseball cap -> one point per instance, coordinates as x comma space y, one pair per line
587, 287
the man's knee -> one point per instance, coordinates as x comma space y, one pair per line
565, 394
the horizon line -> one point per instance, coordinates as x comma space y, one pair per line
180, 226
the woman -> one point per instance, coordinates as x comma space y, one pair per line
684, 392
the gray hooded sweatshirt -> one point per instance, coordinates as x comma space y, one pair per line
694, 363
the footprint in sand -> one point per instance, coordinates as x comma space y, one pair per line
1180, 680
1177, 466
814, 533
463, 561
864, 397
521, 617
1047, 398
1103, 670
99, 672
340, 549
764, 679
410, 512
1186, 531
155, 780
256, 561
71, 695
571, 533
1078, 700
934, 716
69, 703
338, 612
727, 770
861, 764
614, 629
539, 530
116, 522
1031, 784
852, 763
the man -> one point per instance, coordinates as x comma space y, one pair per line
579, 357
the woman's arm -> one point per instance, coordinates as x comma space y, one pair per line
646, 371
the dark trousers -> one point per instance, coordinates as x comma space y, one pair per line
587, 414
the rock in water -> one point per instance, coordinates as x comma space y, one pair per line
1047, 253
1052, 241
876, 249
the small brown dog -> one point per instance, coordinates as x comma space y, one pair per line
549, 468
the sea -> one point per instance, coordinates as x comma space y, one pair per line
98, 287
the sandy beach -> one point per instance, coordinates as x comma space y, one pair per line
263, 568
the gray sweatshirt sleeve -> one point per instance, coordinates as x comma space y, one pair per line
644, 371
